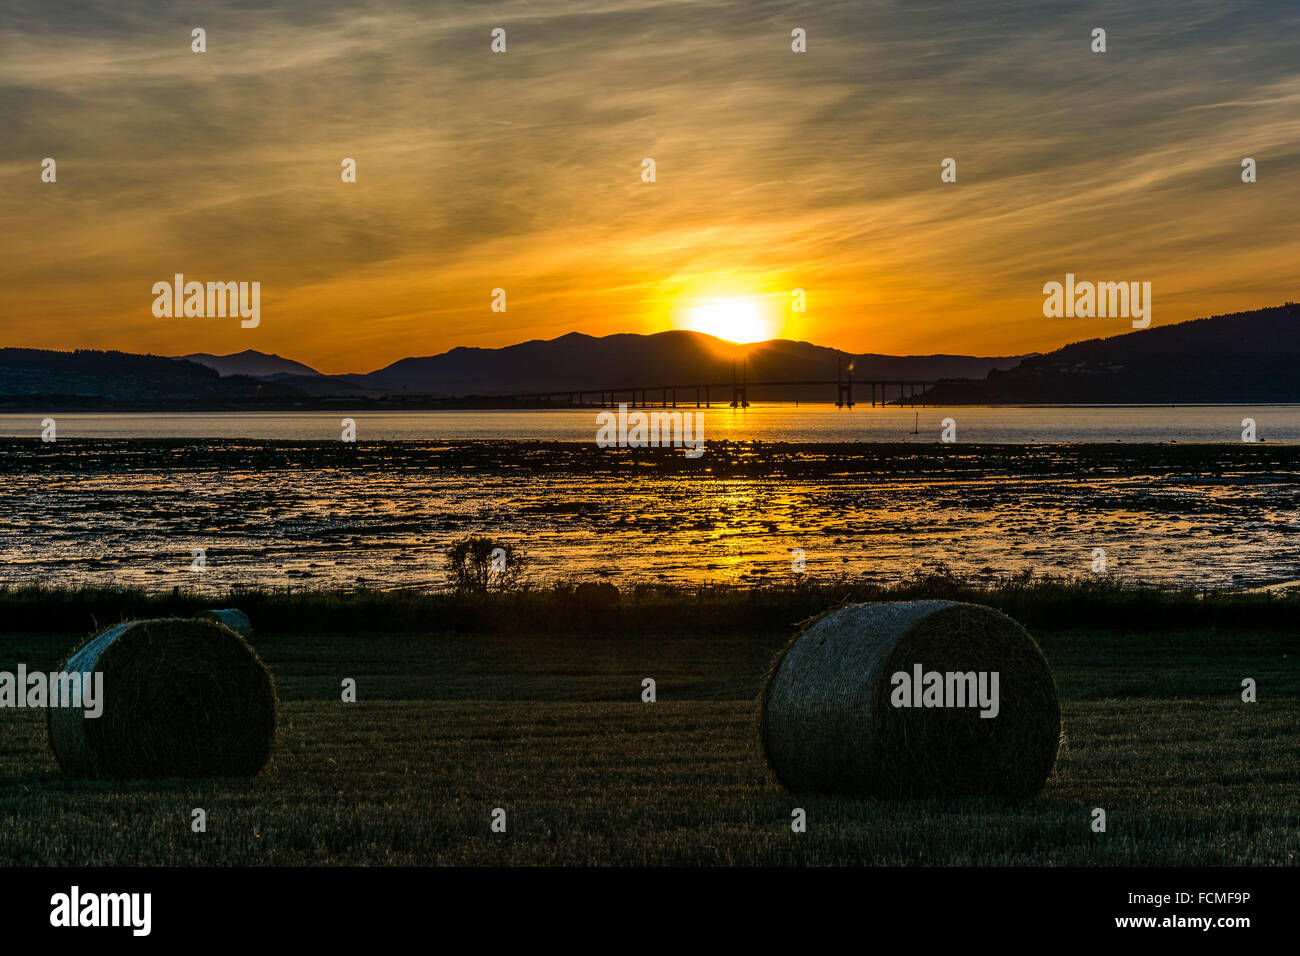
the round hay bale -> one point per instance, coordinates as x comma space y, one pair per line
233, 618
830, 723
181, 698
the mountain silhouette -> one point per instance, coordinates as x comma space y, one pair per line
1236, 358
584, 362
1243, 357
252, 363
92, 378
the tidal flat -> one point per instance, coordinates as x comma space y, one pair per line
380, 515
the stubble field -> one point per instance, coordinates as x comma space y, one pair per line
448, 727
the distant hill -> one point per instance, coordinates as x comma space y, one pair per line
1245, 357
1238, 358
252, 363
574, 361
577, 361
121, 377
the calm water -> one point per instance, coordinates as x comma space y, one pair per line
806, 423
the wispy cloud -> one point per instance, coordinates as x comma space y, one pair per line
522, 170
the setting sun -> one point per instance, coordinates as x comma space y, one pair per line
734, 319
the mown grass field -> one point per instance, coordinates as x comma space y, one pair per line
450, 726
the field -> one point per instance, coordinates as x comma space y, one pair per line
450, 725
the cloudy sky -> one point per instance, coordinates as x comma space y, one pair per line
522, 170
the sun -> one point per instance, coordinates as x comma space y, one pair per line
735, 319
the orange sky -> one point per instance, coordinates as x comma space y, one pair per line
522, 171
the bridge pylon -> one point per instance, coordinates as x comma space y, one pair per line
739, 390
844, 386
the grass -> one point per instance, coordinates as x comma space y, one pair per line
651, 609
406, 782
551, 728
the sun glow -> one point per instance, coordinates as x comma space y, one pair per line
734, 319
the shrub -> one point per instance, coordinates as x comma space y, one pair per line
477, 565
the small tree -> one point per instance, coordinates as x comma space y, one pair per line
477, 565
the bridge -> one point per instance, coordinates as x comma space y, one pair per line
701, 395
670, 396
735, 393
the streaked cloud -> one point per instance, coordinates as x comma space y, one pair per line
775, 170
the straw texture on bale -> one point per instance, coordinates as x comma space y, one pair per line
233, 618
181, 698
828, 724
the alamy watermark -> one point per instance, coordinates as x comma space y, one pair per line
658, 429
75, 908
1086, 300
923, 688
55, 689
181, 299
